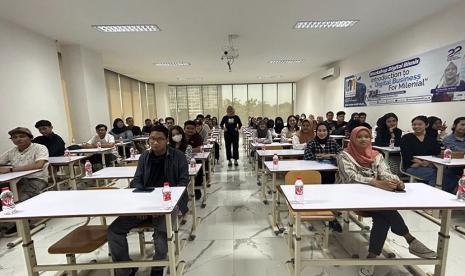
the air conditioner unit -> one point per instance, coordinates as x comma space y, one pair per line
332, 72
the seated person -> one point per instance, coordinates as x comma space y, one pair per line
291, 127
359, 163
205, 129
121, 133
106, 141
436, 128
148, 126
169, 122
386, 130
323, 148
330, 122
353, 123
340, 126
304, 135
25, 156
420, 144
456, 142
262, 133
193, 138
55, 145
136, 131
178, 140
157, 165
362, 118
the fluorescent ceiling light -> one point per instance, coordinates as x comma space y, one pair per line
269, 77
324, 24
172, 63
285, 61
189, 79
127, 28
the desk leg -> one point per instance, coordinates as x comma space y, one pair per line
209, 172
104, 164
439, 177
72, 176
14, 190
204, 201
297, 245
273, 215
28, 246
387, 157
443, 243
171, 245
194, 210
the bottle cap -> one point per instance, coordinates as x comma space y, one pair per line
166, 184
87, 161
5, 189
299, 177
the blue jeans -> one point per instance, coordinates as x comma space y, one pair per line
428, 174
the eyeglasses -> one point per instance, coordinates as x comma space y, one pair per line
156, 139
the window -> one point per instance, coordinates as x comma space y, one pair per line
270, 100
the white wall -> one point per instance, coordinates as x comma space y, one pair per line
436, 31
85, 81
30, 83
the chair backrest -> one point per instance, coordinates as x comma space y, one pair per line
273, 147
308, 177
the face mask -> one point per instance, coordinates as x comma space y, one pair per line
177, 138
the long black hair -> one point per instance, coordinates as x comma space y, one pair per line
172, 143
429, 130
278, 124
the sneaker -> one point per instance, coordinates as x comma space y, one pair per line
235, 163
366, 270
229, 163
420, 250
198, 194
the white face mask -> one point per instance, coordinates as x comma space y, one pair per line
177, 138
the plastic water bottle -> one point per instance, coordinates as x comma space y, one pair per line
192, 164
447, 155
275, 161
391, 143
88, 168
202, 149
299, 189
8, 201
120, 140
461, 188
67, 154
99, 145
166, 191
73, 141
132, 152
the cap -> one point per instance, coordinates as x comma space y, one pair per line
21, 130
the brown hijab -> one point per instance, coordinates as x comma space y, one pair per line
305, 137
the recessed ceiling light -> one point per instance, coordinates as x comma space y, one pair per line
285, 61
172, 63
324, 24
127, 28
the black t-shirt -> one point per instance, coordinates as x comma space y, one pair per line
53, 142
231, 123
135, 130
340, 129
410, 146
195, 140
146, 129
157, 170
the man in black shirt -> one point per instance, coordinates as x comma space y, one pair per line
340, 127
53, 142
330, 123
158, 165
362, 117
136, 131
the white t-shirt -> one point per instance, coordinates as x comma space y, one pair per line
106, 140
29, 156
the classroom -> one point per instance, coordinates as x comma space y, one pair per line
234, 138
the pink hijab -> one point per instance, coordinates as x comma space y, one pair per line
364, 157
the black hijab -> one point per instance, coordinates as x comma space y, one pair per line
318, 139
116, 129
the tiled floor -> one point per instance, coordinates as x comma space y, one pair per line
234, 238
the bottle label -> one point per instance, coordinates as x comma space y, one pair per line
166, 196
7, 201
461, 188
275, 161
299, 190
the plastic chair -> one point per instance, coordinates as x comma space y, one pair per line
308, 178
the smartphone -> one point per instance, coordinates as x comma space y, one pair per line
145, 190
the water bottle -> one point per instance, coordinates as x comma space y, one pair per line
132, 152
73, 141
202, 149
120, 140
99, 145
461, 188
275, 161
299, 189
192, 166
447, 155
8, 201
283, 139
166, 191
67, 154
391, 143
88, 168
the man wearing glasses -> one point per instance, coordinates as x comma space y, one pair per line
26, 156
158, 165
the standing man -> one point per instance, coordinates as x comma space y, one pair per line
136, 131
53, 142
158, 165
231, 123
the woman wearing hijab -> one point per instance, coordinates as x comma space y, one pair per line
359, 163
436, 128
279, 125
304, 135
262, 133
231, 123
121, 132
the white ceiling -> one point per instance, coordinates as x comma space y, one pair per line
196, 31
